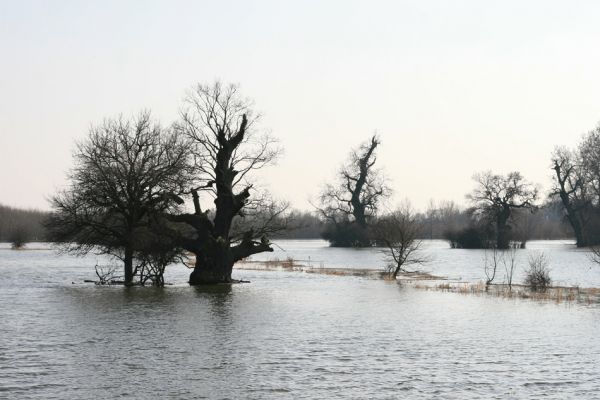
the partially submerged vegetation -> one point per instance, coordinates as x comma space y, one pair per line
426, 281
131, 178
289, 264
553, 293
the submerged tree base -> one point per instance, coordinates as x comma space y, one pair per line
207, 283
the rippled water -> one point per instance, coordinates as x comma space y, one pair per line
285, 335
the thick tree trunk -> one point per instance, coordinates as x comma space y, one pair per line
579, 236
573, 214
128, 264
213, 265
578, 230
503, 231
215, 271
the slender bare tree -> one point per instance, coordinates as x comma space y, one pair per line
399, 232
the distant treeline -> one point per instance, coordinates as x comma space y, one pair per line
443, 220
24, 225
438, 222
545, 222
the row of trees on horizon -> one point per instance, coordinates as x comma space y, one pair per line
438, 221
132, 177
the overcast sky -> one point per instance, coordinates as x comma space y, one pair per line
452, 87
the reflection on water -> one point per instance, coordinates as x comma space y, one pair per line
285, 335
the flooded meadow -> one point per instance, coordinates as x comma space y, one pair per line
291, 334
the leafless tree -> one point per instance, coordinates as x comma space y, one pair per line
595, 254
399, 232
107, 274
496, 196
351, 202
510, 265
537, 277
577, 184
589, 164
227, 148
570, 187
126, 173
492, 260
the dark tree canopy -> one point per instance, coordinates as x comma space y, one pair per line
126, 173
227, 147
496, 196
350, 204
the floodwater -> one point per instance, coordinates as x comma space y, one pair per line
287, 335
569, 266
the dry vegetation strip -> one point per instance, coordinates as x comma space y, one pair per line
557, 294
425, 281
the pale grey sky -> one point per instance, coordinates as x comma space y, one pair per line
452, 87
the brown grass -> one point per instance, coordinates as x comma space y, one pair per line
557, 294
297, 266
425, 281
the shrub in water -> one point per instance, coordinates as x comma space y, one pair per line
18, 238
537, 277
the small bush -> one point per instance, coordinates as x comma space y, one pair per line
537, 277
18, 238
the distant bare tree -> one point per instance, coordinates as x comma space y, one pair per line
431, 215
510, 265
577, 184
570, 187
126, 174
227, 148
589, 164
495, 196
351, 203
399, 231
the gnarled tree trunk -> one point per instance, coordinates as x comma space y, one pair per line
215, 266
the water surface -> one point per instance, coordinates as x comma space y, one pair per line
286, 335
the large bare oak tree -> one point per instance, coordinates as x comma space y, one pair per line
227, 147
349, 204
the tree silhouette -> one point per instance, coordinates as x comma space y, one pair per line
227, 148
351, 203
